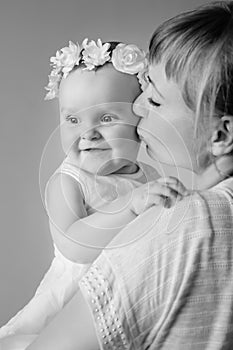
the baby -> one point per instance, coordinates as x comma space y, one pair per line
96, 85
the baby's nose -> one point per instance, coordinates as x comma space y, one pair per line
91, 134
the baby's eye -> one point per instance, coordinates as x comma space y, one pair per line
153, 103
107, 118
73, 120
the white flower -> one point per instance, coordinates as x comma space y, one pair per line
95, 54
62, 63
51, 94
67, 58
125, 58
56, 61
128, 58
142, 75
53, 85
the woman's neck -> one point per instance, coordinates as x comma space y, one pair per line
186, 176
211, 176
216, 172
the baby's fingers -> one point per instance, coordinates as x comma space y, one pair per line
163, 195
163, 190
175, 184
170, 197
167, 198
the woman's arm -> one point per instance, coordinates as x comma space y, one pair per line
72, 329
17, 342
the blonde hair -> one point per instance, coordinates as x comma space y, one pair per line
197, 50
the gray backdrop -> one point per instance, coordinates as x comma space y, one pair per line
30, 32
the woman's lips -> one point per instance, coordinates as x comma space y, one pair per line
93, 149
143, 139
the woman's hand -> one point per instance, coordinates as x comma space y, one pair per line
164, 191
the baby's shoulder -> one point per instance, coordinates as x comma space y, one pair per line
60, 181
62, 186
66, 175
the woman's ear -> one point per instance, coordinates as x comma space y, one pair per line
222, 138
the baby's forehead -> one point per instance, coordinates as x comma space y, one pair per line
103, 108
104, 85
106, 74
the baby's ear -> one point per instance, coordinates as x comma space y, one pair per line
222, 137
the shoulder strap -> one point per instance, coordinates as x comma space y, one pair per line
71, 170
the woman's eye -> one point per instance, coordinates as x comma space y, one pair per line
72, 120
106, 118
153, 103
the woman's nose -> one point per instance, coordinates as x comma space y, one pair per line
139, 106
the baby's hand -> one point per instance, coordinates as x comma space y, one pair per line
164, 191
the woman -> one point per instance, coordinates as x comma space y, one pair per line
166, 281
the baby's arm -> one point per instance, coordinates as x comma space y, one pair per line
65, 204
69, 223
81, 238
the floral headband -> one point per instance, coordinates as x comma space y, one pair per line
125, 58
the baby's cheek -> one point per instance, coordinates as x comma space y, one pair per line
129, 132
68, 141
133, 134
65, 147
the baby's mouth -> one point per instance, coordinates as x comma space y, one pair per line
89, 147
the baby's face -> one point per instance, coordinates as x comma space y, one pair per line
98, 125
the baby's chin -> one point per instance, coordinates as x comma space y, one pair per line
98, 163
93, 161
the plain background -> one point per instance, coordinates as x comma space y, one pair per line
31, 31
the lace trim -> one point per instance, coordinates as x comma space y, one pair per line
98, 294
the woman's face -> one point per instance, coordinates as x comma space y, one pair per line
167, 124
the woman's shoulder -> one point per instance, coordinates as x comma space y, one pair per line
169, 240
199, 210
196, 216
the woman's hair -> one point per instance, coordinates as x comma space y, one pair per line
196, 48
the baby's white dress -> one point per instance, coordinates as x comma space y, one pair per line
61, 280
